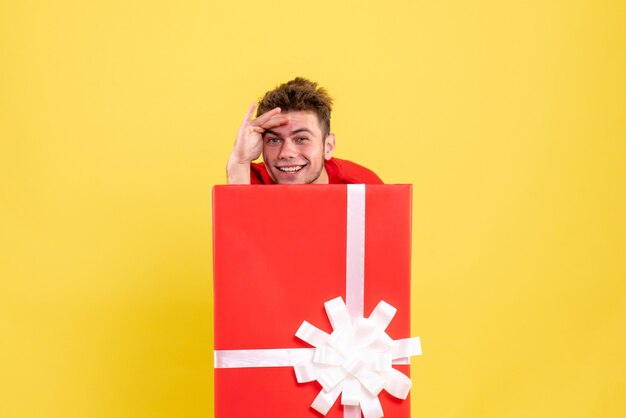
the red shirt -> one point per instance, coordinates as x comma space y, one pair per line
339, 172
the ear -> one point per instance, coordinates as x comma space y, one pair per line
329, 146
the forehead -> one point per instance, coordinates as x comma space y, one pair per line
300, 120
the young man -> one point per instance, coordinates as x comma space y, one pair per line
292, 132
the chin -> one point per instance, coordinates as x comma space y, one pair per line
281, 178
290, 181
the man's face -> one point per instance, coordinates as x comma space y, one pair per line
294, 153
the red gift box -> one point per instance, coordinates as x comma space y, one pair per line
280, 252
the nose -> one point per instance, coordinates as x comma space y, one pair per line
287, 150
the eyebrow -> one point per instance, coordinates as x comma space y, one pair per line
297, 131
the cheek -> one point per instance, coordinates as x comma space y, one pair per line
313, 154
268, 153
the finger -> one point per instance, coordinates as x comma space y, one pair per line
278, 120
250, 112
260, 120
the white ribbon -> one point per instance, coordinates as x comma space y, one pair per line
355, 360
355, 250
273, 357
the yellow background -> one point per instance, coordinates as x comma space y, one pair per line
117, 117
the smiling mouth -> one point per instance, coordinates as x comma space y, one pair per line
290, 168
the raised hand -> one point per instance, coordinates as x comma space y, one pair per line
249, 143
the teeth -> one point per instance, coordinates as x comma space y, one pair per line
290, 169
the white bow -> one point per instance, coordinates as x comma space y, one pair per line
355, 360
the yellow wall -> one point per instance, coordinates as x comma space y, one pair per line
116, 118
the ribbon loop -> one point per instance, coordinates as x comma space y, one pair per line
397, 384
341, 338
382, 314
382, 361
384, 342
370, 406
406, 347
372, 382
338, 314
325, 400
366, 332
305, 373
312, 335
351, 392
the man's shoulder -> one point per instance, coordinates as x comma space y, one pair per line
259, 174
348, 172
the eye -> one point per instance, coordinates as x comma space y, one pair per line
301, 139
272, 140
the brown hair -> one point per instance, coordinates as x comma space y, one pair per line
300, 94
